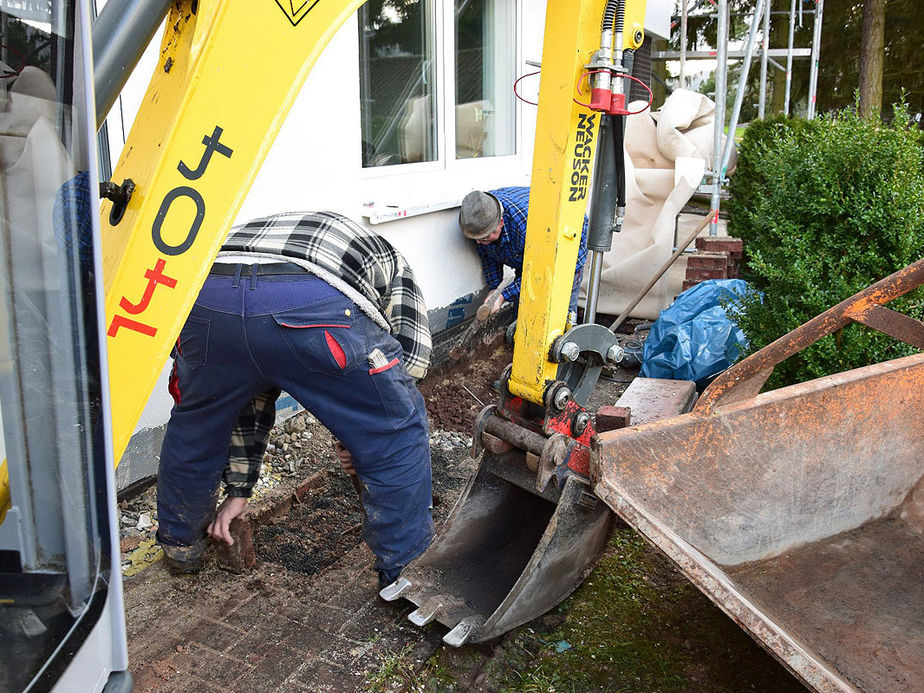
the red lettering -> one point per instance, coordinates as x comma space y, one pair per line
154, 276
129, 324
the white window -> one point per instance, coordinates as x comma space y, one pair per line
485, 52
436, 80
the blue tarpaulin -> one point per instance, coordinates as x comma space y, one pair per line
695, 338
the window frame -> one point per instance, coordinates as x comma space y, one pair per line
444, 78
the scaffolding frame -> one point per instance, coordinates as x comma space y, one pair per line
722, 54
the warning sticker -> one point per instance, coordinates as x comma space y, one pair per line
296, 10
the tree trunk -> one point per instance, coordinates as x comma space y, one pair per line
871, 58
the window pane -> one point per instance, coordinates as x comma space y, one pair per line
396, 82
485, 54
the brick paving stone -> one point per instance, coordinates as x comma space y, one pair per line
153, 677
158, 641
222, 599
146, 678
308, 640
270, 630
324, 677
371, 617
206, 664
186, 684
270, 674
329, 619
217, 636
246, 614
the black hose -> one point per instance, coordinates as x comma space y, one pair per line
609, 13
613, 16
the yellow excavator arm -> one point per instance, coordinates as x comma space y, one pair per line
563, 161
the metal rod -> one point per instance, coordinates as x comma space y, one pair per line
472, 394
593, 287
731, 53
683, 42
792, 30
121, 32
520, 437
720, 86
764, 57
670, 261
742, 84
816, 48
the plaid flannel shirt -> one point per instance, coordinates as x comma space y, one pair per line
508, 249
356, 261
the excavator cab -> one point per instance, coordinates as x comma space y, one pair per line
61, 620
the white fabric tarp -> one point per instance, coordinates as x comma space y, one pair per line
667, 153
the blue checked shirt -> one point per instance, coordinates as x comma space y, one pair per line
508, 249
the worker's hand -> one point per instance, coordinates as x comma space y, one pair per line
230, 508
492, 302
346, 459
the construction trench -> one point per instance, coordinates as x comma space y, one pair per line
300, 609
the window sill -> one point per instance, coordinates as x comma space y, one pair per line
378, 213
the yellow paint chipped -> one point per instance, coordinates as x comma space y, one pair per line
147, 553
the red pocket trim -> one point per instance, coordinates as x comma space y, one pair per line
373, 371
335, 349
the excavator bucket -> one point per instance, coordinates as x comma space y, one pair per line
506, 554
518, 541
799, 511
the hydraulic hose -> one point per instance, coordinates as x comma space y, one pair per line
613, 16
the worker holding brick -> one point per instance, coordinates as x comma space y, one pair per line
319, 306
496, 221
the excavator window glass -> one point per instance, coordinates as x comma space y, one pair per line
396, 62
54, 544
485, 40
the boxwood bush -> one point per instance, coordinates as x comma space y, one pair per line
826, 208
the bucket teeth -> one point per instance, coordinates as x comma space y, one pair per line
425, 613
459, 635
395, 589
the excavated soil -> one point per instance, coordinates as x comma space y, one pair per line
315, 533
455, 393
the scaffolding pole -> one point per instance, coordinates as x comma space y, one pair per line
816, 52
792, 31
721, 74
683, 42
764, 56
742, 84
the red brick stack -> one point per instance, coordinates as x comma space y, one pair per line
715, 257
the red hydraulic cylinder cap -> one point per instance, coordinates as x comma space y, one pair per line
600, 99
618, 105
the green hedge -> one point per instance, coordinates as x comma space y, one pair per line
826, 208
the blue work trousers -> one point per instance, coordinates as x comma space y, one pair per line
249, 333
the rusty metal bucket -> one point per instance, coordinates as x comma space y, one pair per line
506, 554
800, 512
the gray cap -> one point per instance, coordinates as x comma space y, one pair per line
480, 214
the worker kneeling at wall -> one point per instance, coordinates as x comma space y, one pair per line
496, 221
307, 303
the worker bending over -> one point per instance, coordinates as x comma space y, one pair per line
317, 305
496, 221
